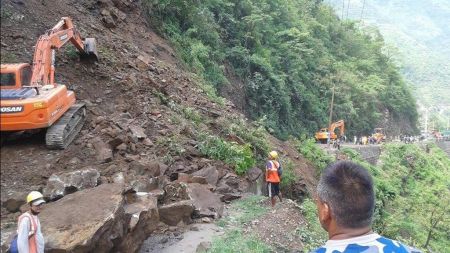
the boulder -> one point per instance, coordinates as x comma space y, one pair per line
143, 61
147, 168
206, 203
59, 185
183, 178
175, 192
210, 173
117, 141
108, 20
104, 152
145, 184
199, 180
173, 213
137, 132
91, 220
144, 219
227, 197
253, 174
14, 201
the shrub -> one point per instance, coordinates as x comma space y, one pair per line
314, 154
238, 156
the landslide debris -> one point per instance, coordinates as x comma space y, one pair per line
144, 113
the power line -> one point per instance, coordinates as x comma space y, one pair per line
348, 6
362, 10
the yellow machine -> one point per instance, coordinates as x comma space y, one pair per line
379, 135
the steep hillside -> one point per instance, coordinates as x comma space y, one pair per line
279, 61
418, 35
145, 111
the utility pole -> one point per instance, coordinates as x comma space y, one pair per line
331, 114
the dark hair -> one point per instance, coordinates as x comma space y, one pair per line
348, 189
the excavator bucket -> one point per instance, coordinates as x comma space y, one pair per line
90, 49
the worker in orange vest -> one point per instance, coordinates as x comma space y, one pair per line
29, 234
273, 177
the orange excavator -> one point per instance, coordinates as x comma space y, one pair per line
322, 134
30, 98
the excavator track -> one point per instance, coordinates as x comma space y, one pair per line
63, 131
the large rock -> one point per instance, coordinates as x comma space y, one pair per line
206, 203
144, 219
253, 174
92, 220
145, 184
66, 183
104, 151
137, 132
14, 200
175, 192
148, 168
210, 173
172, 214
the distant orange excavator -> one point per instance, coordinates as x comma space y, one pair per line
30, 98
322, 134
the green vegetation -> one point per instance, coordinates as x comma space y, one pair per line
312, 235
419, 30
238, 156
288, 53
413, 195
314, 154
71, 52
5, 13
289, 177
254, 134
234, 239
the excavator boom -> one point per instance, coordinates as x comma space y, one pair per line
44, 55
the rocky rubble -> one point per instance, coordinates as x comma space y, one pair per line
136, 134
59, 185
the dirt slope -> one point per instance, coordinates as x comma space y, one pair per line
137, 78
113, 86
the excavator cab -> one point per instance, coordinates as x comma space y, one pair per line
14, 76
15, 82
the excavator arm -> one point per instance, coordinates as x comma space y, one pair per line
339, 124
55, 38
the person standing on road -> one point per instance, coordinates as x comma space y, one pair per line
273, 177
29, 234
346, 201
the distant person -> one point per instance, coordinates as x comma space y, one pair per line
273, 177
364, 140
29, 234
345, 202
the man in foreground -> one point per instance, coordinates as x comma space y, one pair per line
345, 202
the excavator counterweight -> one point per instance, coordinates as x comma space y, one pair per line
30, 97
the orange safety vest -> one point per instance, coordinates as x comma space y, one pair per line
32, 244
272, 172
